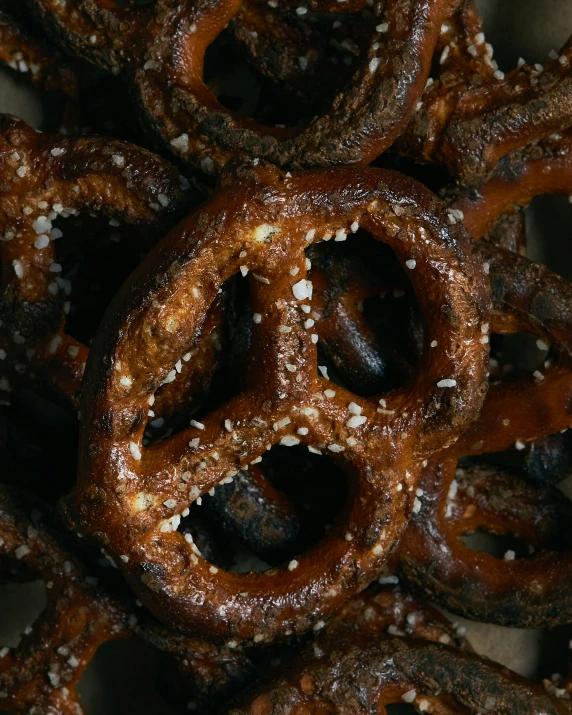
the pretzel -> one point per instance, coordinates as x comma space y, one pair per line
41, 673
474, 114
46, 177
271, 218
356, 676
211, 676
204, 677
167, 80
525, 297
25, 52
524, 592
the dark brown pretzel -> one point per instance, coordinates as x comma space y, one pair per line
41, 673
473, 114
264, 222
355, 676
160, 50
205, 677
45, 177
525, 592
25, 52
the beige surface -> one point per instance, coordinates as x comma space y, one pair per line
528, 28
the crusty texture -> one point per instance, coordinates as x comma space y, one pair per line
355, 676
472, 114
530, 592
130, 498
26, 51
44, 669
150, 46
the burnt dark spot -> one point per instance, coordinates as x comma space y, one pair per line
152, 575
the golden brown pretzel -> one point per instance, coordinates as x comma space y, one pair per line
45, 177
160, 48
474, 114
263, 220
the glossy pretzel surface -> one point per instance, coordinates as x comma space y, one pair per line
264, 225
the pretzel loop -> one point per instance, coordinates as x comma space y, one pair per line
49, 176
264, 224
161, 49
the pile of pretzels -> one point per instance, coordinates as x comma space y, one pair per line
259, 286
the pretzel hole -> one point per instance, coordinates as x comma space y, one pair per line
316, 487
370, 333
230, 79
399, 709
277, 512
21, 604
501, 546
28, 453
95, 260
122, 677
516, 355
548, 220
274, 82
246, 92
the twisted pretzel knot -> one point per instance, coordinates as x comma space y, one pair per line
160, 50
474, 114
45, 177
131, 498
